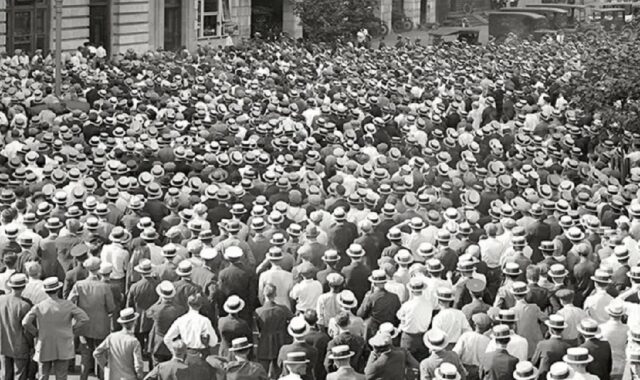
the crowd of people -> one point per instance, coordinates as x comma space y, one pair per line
289, 210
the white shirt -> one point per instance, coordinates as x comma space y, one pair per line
415, 315
471, 347
517, 347
615, 332
583, 376
306, 294
491, 251
633, 314
594, 305
453, 323
282, 280
34, 291
117, 256
191, 327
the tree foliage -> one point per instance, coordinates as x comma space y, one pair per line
328, 20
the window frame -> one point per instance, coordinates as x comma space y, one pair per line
222, 14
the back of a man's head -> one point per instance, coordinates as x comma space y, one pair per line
33, 269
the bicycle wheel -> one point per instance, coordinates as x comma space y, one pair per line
467, 8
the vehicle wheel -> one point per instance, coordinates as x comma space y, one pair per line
384, 29
467, 8
407, 24
591, 36
627, 34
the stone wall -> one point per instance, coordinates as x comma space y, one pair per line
131, 27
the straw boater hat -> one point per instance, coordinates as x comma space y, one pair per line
435, 340
127, 315
340, 352
588, 327
51, 284
233, 304
447, 371
240, 344
559, 371
556, 321
525, 371
577, 355
165, 289
298, 327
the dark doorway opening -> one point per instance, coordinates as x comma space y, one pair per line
172, 25
100, 24
28, 25
266, 17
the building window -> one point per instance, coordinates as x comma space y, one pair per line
211, 16
28, 25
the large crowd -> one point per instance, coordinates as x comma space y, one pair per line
289, 210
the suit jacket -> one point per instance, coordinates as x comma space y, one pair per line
96, 299
356, 344
63, 245
15, 342
163, 314
272, 320
72, 276
528, 325
176, 369
319, 340
54, 330
498, 365
548, 352
232, 327
184, 289
345, 373
166, 272
356, 278
142, 295
312, 355
236, 279
122, 354
602, 359
248, 370
539, 296
388, 365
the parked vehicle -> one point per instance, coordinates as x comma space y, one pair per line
521, 24
557, 17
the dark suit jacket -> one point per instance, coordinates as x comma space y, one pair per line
235, 279
232, 327
272, 321
356, 344
548, 352
245, 371
176, 369
498, 365
72, 276
319, 340
15, 342
312, 355
163, 314
142, 295
539, 296
602, 361
389, 365
356, 278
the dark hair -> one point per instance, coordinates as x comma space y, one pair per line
311, 317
